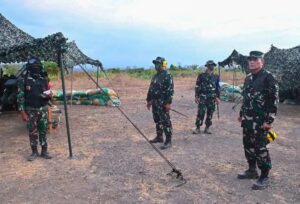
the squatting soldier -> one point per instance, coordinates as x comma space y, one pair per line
258, 111
160, 96
207, 93
32, 99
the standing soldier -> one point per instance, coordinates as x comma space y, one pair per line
258, 111
32, 100
206, 95
160, 96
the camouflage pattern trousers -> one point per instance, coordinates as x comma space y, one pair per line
37, 126
205, 106
161, 117
255, 146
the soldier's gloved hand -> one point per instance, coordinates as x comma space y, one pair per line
149, 104
197, 100
168, 106
24, 116
266, 126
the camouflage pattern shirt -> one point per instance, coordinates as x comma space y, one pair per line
161, 88
207, 86
260, 99
30, 89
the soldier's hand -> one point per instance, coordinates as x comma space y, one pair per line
240, 119
217, 101
197, 100
149, 106
24, 116
168, 106
266, 126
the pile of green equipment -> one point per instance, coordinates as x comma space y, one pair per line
228, 92
88, 97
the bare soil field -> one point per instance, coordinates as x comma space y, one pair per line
114, 164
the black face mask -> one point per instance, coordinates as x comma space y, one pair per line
158, 67
34, 71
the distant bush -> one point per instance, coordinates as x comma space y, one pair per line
51, 68
11, 69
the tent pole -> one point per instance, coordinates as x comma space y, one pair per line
97, 76
60, 64
71, 86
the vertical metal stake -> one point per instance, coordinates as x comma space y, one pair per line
65, 102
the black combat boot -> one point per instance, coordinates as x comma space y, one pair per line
251, 173
196, 131
168, 143
34, 153
45, 153
157, 139
206, 130
263, 181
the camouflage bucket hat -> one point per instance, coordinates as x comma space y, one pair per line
210, 63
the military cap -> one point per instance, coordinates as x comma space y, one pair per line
158, 60
33, 61
255, 54
210, 62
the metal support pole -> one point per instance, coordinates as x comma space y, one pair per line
60, 64
97, 76
71, 86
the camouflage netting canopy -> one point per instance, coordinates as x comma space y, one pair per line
17, 46
10, 35
236, 58
74, 56
44, 48
283, 63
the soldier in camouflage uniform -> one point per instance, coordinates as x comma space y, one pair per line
32, 99
159, 96
258, 111
206, 95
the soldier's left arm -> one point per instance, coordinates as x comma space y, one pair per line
272, 99
218, 86
169, 89
21, 94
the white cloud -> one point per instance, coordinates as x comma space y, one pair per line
210, 20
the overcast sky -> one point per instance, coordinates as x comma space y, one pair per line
123, 33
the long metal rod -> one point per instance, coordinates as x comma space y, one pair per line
179, 113
65, 102
219, 87
109, 81
135, 126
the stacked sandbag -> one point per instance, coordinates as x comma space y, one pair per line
88, 97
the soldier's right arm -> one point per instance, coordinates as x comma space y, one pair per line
150, 92
242, 100
198, 86
21, 94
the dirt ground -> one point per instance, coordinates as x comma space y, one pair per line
113, 163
